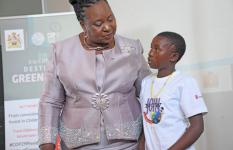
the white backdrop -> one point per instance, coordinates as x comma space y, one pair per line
207, 26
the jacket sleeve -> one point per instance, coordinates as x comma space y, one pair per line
143, 70
51, 102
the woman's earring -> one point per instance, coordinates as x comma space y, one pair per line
85, 35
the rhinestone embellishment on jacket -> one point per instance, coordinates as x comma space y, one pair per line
100, 101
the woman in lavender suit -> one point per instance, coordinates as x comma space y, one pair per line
91, 86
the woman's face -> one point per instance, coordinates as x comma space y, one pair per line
99, 24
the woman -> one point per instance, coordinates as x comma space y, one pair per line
91, 85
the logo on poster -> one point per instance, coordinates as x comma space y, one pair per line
14, 40
38, 38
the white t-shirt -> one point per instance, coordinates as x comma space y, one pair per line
165, 118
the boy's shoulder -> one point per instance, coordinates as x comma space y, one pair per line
178, 76
183, 77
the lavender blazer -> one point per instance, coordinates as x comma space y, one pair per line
71, 104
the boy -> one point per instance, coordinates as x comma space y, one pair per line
172, 105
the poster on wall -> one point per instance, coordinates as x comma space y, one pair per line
21, 123
26, 44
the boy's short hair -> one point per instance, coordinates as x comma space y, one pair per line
177, 40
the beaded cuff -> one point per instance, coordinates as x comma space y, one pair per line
47, 135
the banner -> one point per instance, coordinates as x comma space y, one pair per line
26, 43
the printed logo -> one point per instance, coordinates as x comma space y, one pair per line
38, 38
14, 40
153, 111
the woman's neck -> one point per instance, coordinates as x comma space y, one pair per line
96, 47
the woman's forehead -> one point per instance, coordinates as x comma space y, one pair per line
97, 11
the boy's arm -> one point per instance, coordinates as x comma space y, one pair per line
141, 141
192, 133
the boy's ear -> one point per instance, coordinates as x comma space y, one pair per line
174, 54
174, 57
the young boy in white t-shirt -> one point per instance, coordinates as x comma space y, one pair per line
172, 104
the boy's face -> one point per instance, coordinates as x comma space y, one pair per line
160, 55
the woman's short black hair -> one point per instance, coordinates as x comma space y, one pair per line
80, 5
177, 40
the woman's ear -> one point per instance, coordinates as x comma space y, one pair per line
83, 26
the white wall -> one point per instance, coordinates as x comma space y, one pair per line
207, 26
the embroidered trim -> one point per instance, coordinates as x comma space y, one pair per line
77, 137
47, 135
127, 49
129, 130
125, 46
74, 138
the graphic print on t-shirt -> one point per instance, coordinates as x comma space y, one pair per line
153, 111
